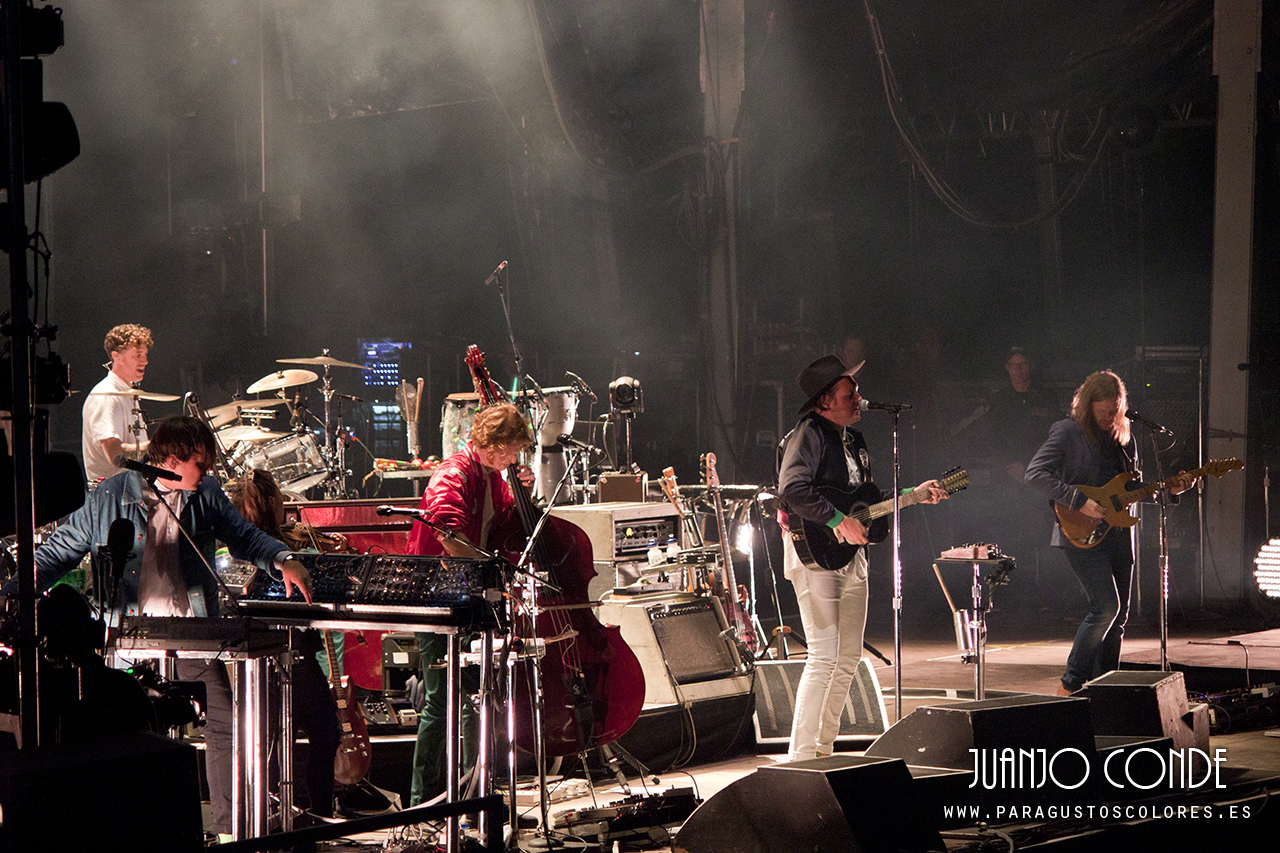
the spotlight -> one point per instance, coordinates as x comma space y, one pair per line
626, 395
1267, 572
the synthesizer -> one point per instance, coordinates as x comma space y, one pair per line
388, 590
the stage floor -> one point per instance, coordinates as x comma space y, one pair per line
932, 673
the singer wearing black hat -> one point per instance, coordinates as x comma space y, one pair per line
824, 452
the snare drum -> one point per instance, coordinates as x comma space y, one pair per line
293, 460
455, 421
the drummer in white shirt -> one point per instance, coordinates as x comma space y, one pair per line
109, 424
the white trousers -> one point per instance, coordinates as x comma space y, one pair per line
833, 611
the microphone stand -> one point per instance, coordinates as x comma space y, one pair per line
1163, 560
897, 576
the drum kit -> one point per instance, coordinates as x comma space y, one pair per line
245, 441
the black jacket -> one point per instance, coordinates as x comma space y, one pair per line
812, 455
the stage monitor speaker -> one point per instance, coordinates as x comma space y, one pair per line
775, 688
681, 641
947, 735
1145, 703
837, 804
135, 789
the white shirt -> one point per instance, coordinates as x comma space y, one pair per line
161, 589
106, 417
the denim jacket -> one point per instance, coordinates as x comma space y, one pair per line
205, 513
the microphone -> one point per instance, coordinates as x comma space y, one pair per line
1149, 424
581, 385
493, 276
387, 509
864, 405
347, 397
119, 545
151, 472
569, 441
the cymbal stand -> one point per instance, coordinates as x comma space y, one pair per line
138, 428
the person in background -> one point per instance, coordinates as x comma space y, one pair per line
313, 708
109, 428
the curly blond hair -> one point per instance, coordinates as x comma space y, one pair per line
127, 335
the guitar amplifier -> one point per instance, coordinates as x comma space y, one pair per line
620, 533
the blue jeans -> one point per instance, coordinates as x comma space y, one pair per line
1106, 575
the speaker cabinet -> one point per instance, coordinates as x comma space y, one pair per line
775, 689
681, 642
1008, 740
95, 794
837, 804
1146, 703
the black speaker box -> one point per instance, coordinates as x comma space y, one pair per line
837, 804
775, 689
130, 790
1146, 703
1032, 729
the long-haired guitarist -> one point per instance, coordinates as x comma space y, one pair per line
823, 453
1091, 448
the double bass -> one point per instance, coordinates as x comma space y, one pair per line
592, 682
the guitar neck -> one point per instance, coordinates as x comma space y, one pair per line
335, 680
885, 507
1144, 492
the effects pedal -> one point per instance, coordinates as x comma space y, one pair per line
377, 711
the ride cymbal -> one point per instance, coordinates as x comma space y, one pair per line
248, 432
282, 379
324, 360
138, 394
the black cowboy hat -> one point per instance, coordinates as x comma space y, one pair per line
820, 375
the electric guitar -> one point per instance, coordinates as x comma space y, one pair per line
351, 764
1085, 532
734, 597
816, 544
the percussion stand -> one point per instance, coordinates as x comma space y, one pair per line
139, 426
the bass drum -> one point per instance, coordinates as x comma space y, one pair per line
455, 421
295, 461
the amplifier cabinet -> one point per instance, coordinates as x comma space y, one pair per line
682, 642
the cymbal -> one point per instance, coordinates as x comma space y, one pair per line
222, 415
138, 394
282, 379
248, 432
322, 360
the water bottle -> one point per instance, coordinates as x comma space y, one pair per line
673, 550
655, 553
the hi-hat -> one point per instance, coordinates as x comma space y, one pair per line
137, 394
248, 432
324, 360
282, 379
228, 412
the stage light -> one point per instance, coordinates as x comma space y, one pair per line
626, 395
1267, 571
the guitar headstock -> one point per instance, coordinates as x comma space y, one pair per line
709, 475
954, 480
1218, 467
480, 376
669, 487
